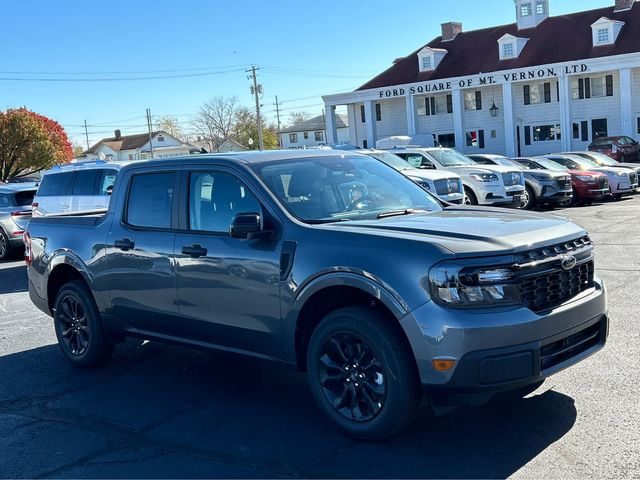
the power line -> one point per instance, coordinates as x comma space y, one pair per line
114, 79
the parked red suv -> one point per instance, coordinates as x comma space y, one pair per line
622, 149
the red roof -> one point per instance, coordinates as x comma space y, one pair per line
557, 39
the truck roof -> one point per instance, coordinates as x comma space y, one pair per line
244, 158
17, 187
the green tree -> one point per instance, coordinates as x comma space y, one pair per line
246, 128
30, 142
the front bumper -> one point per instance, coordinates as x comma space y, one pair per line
457, 198
504, 349
500, 195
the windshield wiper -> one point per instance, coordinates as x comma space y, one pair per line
397, 213
329, 220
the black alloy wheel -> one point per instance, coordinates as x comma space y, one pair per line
352, 377
75, 330
529, 198
470, 197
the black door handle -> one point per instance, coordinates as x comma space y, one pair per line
124, 244
194, 251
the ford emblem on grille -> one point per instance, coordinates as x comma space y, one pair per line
568, 262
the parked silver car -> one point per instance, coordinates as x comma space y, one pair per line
15, 212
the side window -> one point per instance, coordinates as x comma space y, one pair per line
215, 198
86, 182
107, 181
150, 200
414, 159
56, 184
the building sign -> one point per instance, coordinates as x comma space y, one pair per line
483, 80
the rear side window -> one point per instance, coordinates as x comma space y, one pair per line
107, 181
6, 200
56, 184
23, 199
86, 182
150, 200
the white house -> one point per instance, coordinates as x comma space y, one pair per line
313, 133
136, 147
542, 84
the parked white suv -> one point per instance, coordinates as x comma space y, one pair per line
483, 184
446, 186
76, 188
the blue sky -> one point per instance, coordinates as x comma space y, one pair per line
305, 49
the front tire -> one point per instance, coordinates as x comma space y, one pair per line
78, 326
530, 198
362, 373
470, 197
5, 247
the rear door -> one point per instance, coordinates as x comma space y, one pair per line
228, 289
140, 267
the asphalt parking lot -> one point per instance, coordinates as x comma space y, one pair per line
160, 411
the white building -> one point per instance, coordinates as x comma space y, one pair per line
313, 133
136, 147
543, 84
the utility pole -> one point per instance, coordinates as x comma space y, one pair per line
86, 134
256, 90
150, 133
277, 104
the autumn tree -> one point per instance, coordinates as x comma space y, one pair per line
171, 125
296, 118
30, 142
216, 121
246, 127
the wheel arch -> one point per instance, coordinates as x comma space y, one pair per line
329, 293
63, 269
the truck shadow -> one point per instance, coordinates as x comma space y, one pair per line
188, 406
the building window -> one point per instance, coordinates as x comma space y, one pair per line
306, 135
525, 10
582, 88
537, 93
319, 136
599, 128
546, 133
293, 138
436, 105
540, 8
638, 125
447, 140
603, 35
507, 50
362, 115
473, 100
475, 139
378, 113
160, 138
426, 63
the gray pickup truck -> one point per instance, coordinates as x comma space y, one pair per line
334, 263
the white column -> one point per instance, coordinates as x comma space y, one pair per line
330, 124
566, 124
370, 123
458, 112
509, 124
626, 85
411, 115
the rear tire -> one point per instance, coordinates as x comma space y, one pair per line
530, 198
5, 247
79, 328
362, 373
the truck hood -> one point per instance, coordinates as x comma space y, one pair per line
468, 169
430, 174
549, 174
471, 231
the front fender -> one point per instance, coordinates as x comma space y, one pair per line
338, 277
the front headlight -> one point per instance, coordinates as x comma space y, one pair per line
484, 177
457, 286
585, 178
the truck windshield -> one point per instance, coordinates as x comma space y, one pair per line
391, 160
341, 188
450, 158
550, 165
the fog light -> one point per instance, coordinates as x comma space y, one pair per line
443, 364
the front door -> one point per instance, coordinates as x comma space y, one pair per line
228, 289
140, 269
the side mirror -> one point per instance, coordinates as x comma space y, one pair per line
246, 226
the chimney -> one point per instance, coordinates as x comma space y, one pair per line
623, 5
450, 31
118, 134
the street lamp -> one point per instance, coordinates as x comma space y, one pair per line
494, 110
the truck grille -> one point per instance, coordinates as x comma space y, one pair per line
545, 284
633, 176
603, 181
447, 186
512, 178
550, 290
568, 347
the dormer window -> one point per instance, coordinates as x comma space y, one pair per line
429, 58
531, 13
541, 8
525, 9
603, 35
605, 31
510, 46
